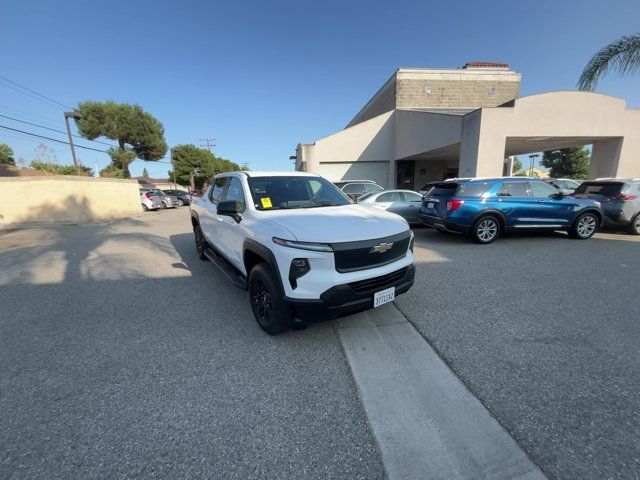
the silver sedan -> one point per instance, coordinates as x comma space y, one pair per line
405, 203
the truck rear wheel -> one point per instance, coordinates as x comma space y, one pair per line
267, 303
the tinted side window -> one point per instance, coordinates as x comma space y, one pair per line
217, 189
411, 197
354, 188
473, 189
372, 187
389, 197
513, 189
541, 189
604, 189
235, 192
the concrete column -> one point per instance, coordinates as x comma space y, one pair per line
392, 174
482, 148
306, 154
605, 158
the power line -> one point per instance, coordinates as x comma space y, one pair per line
51, 139
208, 143
53, 130
31, 93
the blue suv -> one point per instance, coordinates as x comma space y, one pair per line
487, 207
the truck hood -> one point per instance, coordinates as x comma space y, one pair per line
346, 223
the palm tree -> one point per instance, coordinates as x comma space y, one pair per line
622, 55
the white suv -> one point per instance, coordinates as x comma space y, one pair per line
300, 247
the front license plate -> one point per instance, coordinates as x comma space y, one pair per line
430, 205
385, 296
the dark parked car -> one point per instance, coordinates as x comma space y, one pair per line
183, 197
484, 208
405, 203
356, 188
620, 199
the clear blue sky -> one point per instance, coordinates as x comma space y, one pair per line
260, 77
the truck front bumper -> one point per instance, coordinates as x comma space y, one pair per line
351, 297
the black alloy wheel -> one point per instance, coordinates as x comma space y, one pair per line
267, 302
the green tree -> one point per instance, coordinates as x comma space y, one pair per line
112, 171
145, 173
195, 166
137, 132
57, 169
622, 55
567, 162
6, 155
517, 166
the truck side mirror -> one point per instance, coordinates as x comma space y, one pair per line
229, 208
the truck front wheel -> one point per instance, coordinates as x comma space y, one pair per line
267, 303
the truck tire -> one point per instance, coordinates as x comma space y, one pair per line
267, 303
201, 243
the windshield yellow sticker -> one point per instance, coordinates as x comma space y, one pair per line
266, 202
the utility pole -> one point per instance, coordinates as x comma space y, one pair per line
533, 157
74, 115
208, 143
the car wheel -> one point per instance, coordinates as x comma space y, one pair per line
267, 303
201, 243
584, 227
163, 205
145, 208
485, 230
181, 202
634, 226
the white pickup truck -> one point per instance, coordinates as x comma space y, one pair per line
301, 247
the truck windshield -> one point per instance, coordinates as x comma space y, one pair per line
287, 192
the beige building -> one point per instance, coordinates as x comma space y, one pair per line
430, 124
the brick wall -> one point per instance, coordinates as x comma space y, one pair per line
452, 93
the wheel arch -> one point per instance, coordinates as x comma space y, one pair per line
195, 221
491, 213
254, 253
595, 211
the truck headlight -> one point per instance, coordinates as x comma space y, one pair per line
316, 247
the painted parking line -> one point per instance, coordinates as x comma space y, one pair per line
428, 425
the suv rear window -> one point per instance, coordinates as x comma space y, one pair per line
473, 189
606, 189
441, 190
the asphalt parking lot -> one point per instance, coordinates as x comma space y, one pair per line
544, 331
123, 355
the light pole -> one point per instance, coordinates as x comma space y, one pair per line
533, 157
75, 115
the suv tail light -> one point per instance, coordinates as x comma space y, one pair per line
452, 205
622, 196
148, 195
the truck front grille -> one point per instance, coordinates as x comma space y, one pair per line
352, 256
378, 283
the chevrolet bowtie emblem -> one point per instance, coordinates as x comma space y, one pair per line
381, 248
